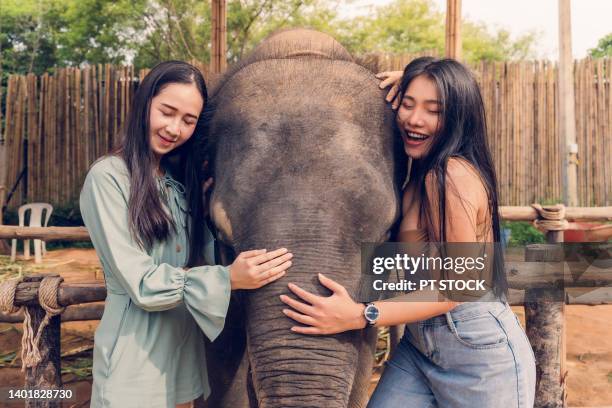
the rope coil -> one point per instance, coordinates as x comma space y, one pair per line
47, 298
550, 217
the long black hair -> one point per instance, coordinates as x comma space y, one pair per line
462, 134
148, 220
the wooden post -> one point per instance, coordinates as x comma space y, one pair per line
44, 233
3, 164
567, 115
3, 244
3, 171
453, 29
2, 194
218, 61
556, 238
76, 312
544, 318
47, 374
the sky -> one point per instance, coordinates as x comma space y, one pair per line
591, 19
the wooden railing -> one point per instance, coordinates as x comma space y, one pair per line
544, 305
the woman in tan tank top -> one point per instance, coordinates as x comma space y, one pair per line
454, 354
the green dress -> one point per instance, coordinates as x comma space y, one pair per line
149, 346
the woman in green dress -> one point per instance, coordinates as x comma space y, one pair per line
162, 296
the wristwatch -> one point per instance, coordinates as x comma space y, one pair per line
371, 314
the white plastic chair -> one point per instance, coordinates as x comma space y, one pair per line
36, 216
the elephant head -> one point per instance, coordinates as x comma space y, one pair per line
304, 158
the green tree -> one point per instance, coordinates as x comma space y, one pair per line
479, 43
415, 26
28, 35
99, 31
173, 29
404, 26
251, 21
604, 47
36, 35
181, 29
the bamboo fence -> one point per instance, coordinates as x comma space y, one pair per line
73, 117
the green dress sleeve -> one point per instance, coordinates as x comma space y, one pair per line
152, 286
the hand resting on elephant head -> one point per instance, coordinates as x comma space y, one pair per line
254, 269
324, 315
392, 79
257, 268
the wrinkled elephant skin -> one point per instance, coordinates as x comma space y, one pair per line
303, 146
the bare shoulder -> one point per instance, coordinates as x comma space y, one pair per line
462, 181
461, 171
466, 181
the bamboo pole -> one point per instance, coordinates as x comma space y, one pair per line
604, 130
3, 160
516, 147
453, 29
31, 133
219, 37
55, 111
108, 86
22, 135
67, 158
608, 134
78, 136
2, 198
537, 132
567, 120
97, 110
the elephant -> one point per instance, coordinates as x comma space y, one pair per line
304, 152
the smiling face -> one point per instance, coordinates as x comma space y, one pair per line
173, 117
418, 117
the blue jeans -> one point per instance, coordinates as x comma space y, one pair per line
475, 356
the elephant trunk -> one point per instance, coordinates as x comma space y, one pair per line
295, 370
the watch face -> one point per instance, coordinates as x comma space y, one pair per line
371, 313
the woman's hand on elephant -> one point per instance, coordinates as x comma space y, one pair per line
254, 269
391, 78
324, 314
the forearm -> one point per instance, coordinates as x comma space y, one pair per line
408, 308
412, 307
393, 313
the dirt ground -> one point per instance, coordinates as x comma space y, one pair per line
589, 341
